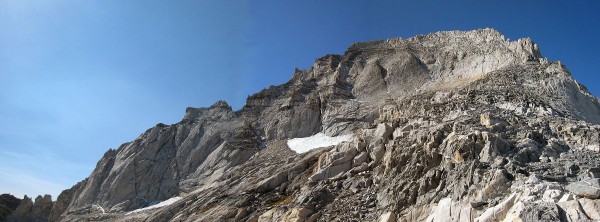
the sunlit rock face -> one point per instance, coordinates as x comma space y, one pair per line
449, 126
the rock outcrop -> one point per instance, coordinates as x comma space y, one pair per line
8, 204
450, 126
37, 211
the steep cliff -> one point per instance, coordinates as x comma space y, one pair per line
460, 125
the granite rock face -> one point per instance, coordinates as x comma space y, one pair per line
449, 126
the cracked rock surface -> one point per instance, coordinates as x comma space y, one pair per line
449, 126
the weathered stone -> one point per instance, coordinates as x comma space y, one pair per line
540, 212
552, 195
241, 213
361, 168
331, 171
499, 211
32, 211
24, 208
253, 218
573, 211
477, 204
594, 172
272, 182
8, 204
387, 217
489, 121
497, 186
383, 131
588, 188
361, 146
360, 159
462, 100
591, 208
313, 218
398, 133
335, 162
292, 215
377, 150
299, 214
270, 215
566, 197
442, 212
494, 147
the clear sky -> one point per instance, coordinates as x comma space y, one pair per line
78, 77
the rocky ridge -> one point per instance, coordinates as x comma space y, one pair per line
25, 209
8, 204
450, 126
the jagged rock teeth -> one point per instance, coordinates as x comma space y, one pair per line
27, 210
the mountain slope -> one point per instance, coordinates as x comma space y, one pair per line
465, 119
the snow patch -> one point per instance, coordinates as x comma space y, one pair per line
161, 204
301, 145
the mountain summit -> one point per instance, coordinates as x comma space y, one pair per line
449, 126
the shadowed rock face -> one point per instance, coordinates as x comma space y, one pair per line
8, 204
27, 210
449, 126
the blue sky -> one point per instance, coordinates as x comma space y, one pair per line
79, 77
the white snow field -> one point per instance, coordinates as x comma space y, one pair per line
301, 145
161, 204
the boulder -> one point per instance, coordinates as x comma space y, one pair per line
398, 133
497, 186
566, 197
383, 131
447, 210
591, 208
552, 195
499, 211
272, 182
298, 214
588, 188
528, 151
361, 168
494, 147
334, 162
377, 150
360, 159
572, 211
270, 215
331, 171
442, 212
361, 146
